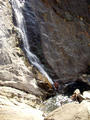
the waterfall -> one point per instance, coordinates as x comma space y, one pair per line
17, 6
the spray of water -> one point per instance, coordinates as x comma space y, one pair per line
17, 6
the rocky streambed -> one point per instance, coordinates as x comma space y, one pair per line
25, 93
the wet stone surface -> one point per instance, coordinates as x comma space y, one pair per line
58, 33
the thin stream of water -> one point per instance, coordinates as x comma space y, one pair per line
17, 6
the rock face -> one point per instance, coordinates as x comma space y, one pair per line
19, 92
13, 71
61, 41
58, 33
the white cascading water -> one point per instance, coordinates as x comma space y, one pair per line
17, 6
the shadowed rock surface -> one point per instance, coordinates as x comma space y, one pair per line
59, 33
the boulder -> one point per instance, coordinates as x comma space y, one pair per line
16, 113
86, 95
16, 105
71, 111
19, 113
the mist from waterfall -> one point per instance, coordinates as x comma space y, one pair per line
17, 6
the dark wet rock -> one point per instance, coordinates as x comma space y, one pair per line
59, 35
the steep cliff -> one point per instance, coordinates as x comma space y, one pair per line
59, 33
13, 69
